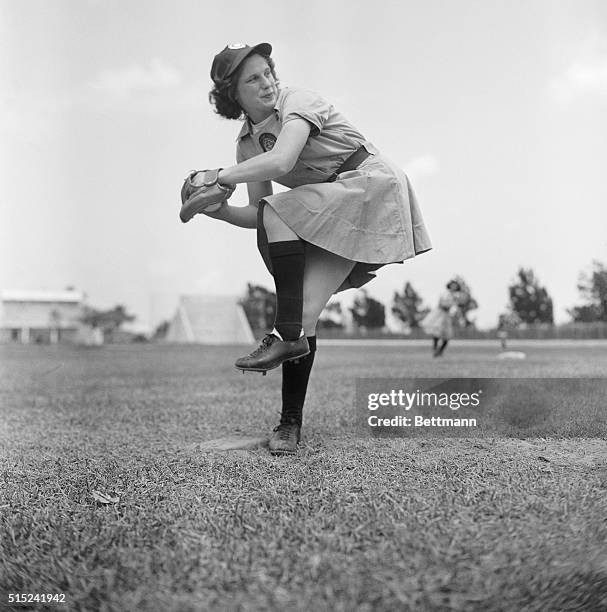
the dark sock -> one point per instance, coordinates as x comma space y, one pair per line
443, 346
434, 343
288, 261
295, 376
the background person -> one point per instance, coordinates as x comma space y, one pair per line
438, 323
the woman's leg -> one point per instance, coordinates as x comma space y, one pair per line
287, 256
295, 377
288, 260
324, 273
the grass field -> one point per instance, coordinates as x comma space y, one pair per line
490, 522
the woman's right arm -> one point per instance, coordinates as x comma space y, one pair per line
244, 216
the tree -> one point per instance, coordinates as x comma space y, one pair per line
367, 312
259, 305
161, 331
529, 300
332, 317
408, 307
593, 289
108, 321
465, 301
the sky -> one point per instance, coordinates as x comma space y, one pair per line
497, 110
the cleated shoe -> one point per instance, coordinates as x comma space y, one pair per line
285, 438
272, 352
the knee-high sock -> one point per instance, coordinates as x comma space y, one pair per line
288, 262
443, 346
295, 376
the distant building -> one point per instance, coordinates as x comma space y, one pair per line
40, 317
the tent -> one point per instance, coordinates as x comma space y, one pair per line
209, 320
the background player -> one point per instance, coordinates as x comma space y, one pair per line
438, 323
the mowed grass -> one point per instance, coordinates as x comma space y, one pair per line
490, 522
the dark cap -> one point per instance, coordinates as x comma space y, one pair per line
226, 62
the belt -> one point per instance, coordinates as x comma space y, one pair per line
351, 163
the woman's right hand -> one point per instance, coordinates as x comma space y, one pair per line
217, 211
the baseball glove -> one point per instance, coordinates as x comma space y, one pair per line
201, 192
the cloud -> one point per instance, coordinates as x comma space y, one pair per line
30, 113
153, 87
585, 74
582, 79
137, 79
421, 167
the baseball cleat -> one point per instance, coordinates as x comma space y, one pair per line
285, 438
273, 352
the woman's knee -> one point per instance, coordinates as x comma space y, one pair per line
269, 217
276, 228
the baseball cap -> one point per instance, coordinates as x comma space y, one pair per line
226, 62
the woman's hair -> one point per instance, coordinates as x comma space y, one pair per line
223, 94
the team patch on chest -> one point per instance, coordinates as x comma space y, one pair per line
267, 141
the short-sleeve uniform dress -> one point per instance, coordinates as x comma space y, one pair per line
438, 323
369, 215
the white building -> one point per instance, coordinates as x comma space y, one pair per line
40, 317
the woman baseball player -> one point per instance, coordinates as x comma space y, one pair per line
348, 212
438, 323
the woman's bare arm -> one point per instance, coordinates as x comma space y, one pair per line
274, 163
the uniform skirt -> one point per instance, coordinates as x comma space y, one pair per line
369, 215
438, 323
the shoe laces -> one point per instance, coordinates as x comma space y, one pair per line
285, 430
266, 343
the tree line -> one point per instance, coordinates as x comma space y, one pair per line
529, 304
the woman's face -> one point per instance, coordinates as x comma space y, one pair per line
256, 89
